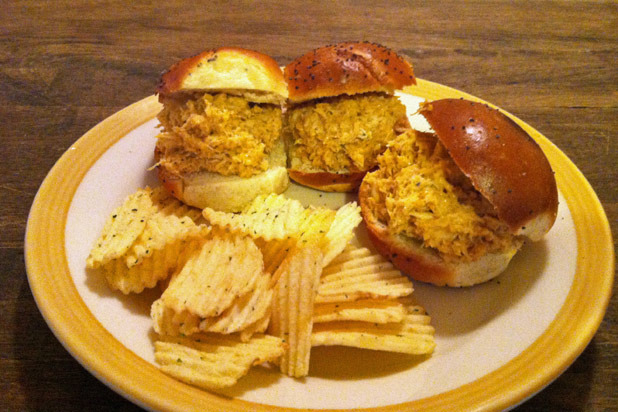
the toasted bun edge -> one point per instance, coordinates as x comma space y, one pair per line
328, 182
225, 68
347, 68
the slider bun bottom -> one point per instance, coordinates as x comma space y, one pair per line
423, 264
224, 193
328, 182
420, 263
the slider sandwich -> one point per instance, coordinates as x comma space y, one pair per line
221, 140
453, 207
342, 112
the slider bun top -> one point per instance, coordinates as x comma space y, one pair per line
227, 69
347, 68
502, 161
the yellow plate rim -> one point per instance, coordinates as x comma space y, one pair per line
83, 336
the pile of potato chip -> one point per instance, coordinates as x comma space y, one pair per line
263, 285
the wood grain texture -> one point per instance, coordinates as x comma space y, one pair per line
67, 65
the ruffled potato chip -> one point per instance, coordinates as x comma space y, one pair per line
166, 321
248, 314
213, 361
268, 217
278, 218
413, 335
341, 231
357, 274
366, 310
142, 241
244, 311
122, 228
260, 326
160, 265
225, 268
292, 310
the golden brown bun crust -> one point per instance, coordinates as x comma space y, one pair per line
347, 68
503, 162
176, 78
328, 182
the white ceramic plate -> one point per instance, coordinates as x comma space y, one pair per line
496, 342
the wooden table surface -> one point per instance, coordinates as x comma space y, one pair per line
67, 65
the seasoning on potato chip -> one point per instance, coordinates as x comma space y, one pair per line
166, 321
274, 252
357, 274
292, 310
248, 314
122, 228
160, 265
213, 361
142, 240
168, 205
160, 231
355, 256
244, 311
331, 229
278, 217
413, 335
366, 310
341, 231
269, 217
259, 326
226, 267
314, 224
